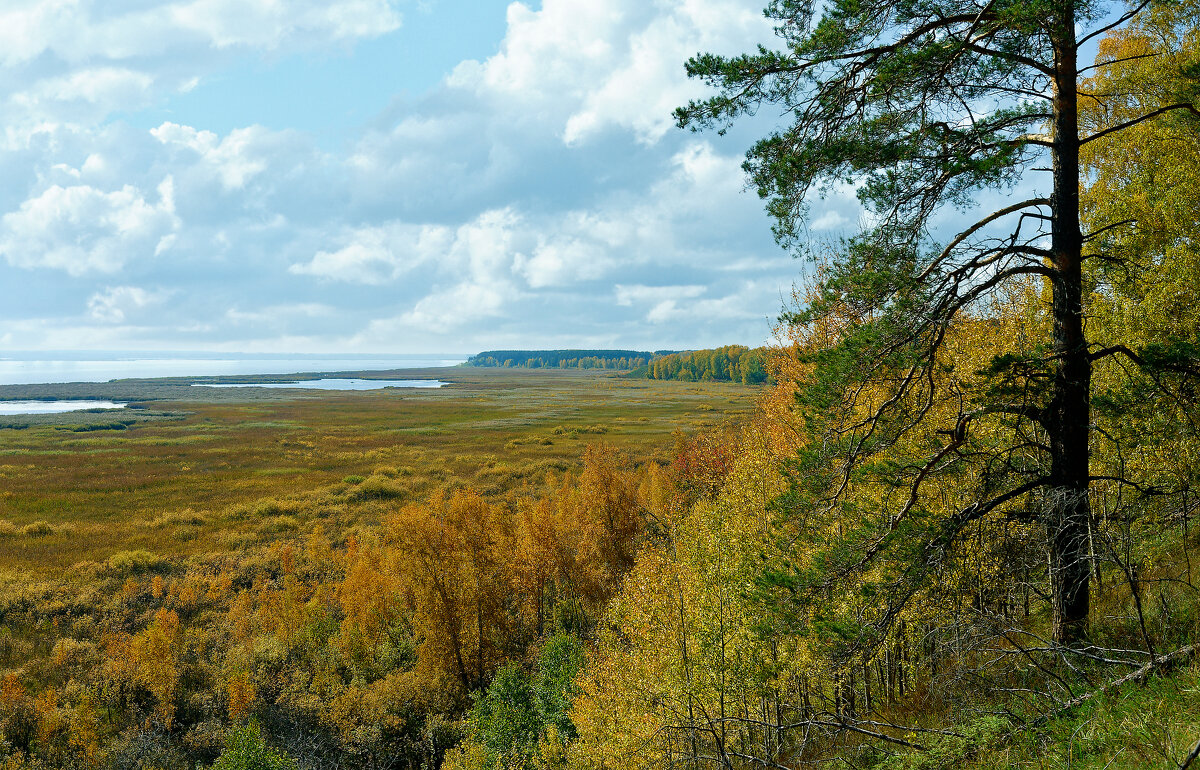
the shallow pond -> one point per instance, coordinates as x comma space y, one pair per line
328, 384
54, 407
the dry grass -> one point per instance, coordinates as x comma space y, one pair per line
219, 469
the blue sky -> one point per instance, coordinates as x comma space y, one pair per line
376, 175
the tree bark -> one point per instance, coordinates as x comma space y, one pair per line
1067, 509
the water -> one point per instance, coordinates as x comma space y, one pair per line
327, 384
38, 368
54, 407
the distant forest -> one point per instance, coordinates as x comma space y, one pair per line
565, 359
731, 363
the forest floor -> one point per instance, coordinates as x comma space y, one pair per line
192, 470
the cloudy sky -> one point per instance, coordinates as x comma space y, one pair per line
376, 175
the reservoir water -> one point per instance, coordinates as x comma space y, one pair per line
31, 368
327, 384
54, 407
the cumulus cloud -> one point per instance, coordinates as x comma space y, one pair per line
235, 160
663, 300
590, 66
114, 303
227, 23
535, 194
377, 255
90, 92
670, 304
81, 229
76, 30
76, 62
277, 314
457, 306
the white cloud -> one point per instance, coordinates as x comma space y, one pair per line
664, 301
270, 24
115, 302
80, 229
79, 97
75, 30
75, 62
831, 219
236, 159
458, 306
671, 304
579, 246
485, 248
592, 65
376, 255
487, 208
638, 293
275, 314
118, 86
641, 94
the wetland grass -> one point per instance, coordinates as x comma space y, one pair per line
192, 474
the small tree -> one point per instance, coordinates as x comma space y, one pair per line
925, 104
246, 750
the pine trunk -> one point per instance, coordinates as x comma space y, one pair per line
1067, 509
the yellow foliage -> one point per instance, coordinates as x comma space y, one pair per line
370, 602
154, 654
240, 691
219, 587
84, 738
676, 645
50, 720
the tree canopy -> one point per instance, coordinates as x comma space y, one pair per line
924, 105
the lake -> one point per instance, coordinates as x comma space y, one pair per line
328, 384
54, 407
30, 368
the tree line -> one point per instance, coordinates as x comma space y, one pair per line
730, 363
563, 359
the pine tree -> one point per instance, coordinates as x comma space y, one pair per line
926, 104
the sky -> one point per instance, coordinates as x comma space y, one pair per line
407, 176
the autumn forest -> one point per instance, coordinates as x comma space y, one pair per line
945, 520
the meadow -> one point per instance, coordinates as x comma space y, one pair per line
192, 470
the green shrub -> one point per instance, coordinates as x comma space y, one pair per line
132, 562
245, 749
186, 518
37, 529
378, 488
505, 719
278, 524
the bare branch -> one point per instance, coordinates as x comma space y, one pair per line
1130, 123
1119, 21
1118, 61
958, 239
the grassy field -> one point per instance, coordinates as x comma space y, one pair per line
194, 470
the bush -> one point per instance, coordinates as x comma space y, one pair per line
378, 488
273, 507
505, 719
37, 529
279, 524
245, 749
132, 562
186, 518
